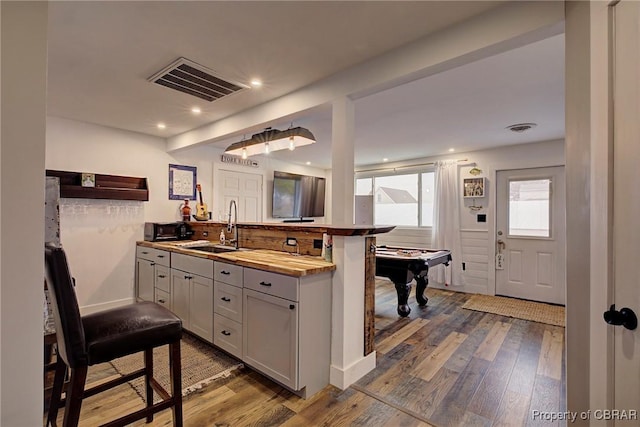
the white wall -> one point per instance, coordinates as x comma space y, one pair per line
99, 235
478, 238
24, 54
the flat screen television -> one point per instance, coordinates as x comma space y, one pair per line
297, 196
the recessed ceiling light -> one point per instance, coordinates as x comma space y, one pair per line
308, 163
256, 83
161, 126
385, 160
196, 110
451, 150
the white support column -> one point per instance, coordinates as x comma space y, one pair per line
348, 362
342, 162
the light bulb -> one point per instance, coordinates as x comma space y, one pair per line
244, 153
291, 144
266, 148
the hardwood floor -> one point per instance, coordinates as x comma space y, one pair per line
442, 366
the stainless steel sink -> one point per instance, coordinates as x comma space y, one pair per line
216, 249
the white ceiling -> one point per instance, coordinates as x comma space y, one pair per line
102, 53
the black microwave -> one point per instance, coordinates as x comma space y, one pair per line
166, 231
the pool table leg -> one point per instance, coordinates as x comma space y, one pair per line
403, 290
421, 286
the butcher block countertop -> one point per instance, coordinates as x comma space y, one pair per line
261, 259
333, 230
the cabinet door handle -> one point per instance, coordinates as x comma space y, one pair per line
153, 263
225, 299
227, 333
226, 273
162, 276
188, 277
161, 301
160, 256
145, 253
292, 307
265, 283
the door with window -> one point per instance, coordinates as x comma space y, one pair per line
530, 234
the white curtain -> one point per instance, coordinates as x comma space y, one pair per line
446, 223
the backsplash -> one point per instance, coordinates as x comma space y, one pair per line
259, 238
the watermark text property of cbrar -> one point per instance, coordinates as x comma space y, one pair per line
596, 414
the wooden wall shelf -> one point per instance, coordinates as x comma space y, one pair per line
106, 186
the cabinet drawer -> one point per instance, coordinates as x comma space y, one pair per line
163, 281
271, 283
227, 335
227, 273
156, 255
163, 298
192, 264
227, 301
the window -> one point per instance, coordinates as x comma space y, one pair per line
529, 207
428, 203
404, 200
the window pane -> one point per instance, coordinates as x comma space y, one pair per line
396, 200
364, 186
529, 208
426, 216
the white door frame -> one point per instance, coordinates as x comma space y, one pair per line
626, 234
588, 156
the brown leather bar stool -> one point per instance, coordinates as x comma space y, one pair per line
100, 337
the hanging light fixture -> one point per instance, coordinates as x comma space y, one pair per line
271, 140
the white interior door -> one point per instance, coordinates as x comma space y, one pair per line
246, 190
530, 227
626, 204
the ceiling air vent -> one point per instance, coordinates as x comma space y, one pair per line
521, 127
194, 79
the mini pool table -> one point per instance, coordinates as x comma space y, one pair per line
402, 265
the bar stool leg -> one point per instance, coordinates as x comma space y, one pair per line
56, 391
75, 392
148, 374
176, 382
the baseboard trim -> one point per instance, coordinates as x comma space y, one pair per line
343, 378
93, 308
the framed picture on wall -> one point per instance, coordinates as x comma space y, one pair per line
473, 187
182, 182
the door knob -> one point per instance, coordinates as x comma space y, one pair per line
625, 317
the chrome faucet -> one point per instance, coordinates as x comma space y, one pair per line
232, 224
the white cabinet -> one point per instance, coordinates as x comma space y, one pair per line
145, 274
192, 293
227, 301
227, 335
271, 336
287, 328
162, 291
152, 267
278, 324
227, 307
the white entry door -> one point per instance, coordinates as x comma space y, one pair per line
531, 235
626, 205
246, 190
